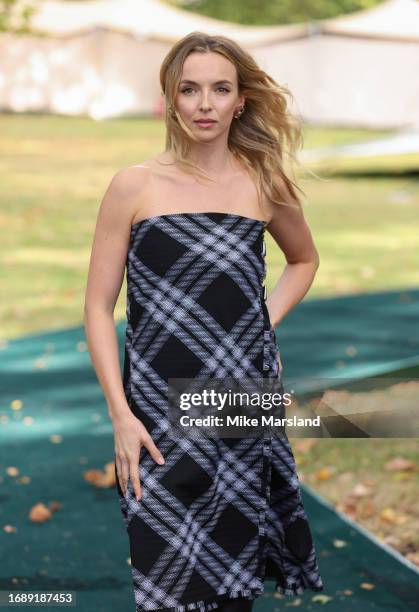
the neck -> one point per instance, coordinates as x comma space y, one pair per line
215, 158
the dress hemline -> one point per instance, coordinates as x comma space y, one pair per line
205, 605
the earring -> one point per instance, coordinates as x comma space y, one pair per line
170, 109
239, 112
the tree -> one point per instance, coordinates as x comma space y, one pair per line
15, 16
272, 12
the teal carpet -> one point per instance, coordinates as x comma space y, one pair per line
84, 546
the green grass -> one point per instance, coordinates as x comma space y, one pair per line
316, 137
56, 169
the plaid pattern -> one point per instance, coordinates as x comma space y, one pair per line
221, 514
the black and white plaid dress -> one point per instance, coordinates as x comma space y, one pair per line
220, 515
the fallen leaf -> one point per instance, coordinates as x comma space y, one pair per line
9, 528
361, 490
24, 479
369, 482
102, 478
39, 513
12, 471
401, 476
367, 586
323, 599
391, 516
351, 350
339, 543
399, 463
323, 473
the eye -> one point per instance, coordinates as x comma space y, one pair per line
185, 89
225, 89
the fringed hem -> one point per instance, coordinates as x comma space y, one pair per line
298, 590
212, 604
205, 605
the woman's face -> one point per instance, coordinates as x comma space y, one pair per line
208, 90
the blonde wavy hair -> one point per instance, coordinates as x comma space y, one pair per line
263, 134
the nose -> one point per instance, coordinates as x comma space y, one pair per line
205, 104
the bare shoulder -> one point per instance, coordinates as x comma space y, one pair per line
137, 177
122, 198
131, 180
127, 189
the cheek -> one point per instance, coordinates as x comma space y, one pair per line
186, 106
225, 108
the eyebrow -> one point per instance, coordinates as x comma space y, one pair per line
189, 82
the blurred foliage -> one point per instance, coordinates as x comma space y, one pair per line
266, 12
15, 16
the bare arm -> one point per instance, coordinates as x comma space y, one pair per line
290, 231
104, 281
105, 276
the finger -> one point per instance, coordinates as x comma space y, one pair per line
135, 479
124, 476
117, 473
153, 450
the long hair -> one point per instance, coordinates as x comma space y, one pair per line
263, 134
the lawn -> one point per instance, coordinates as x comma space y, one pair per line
364, 219
55, 171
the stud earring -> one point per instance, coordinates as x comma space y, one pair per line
172, 113
239, 112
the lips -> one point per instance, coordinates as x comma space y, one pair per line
205, 121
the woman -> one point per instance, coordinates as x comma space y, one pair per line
208, 519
